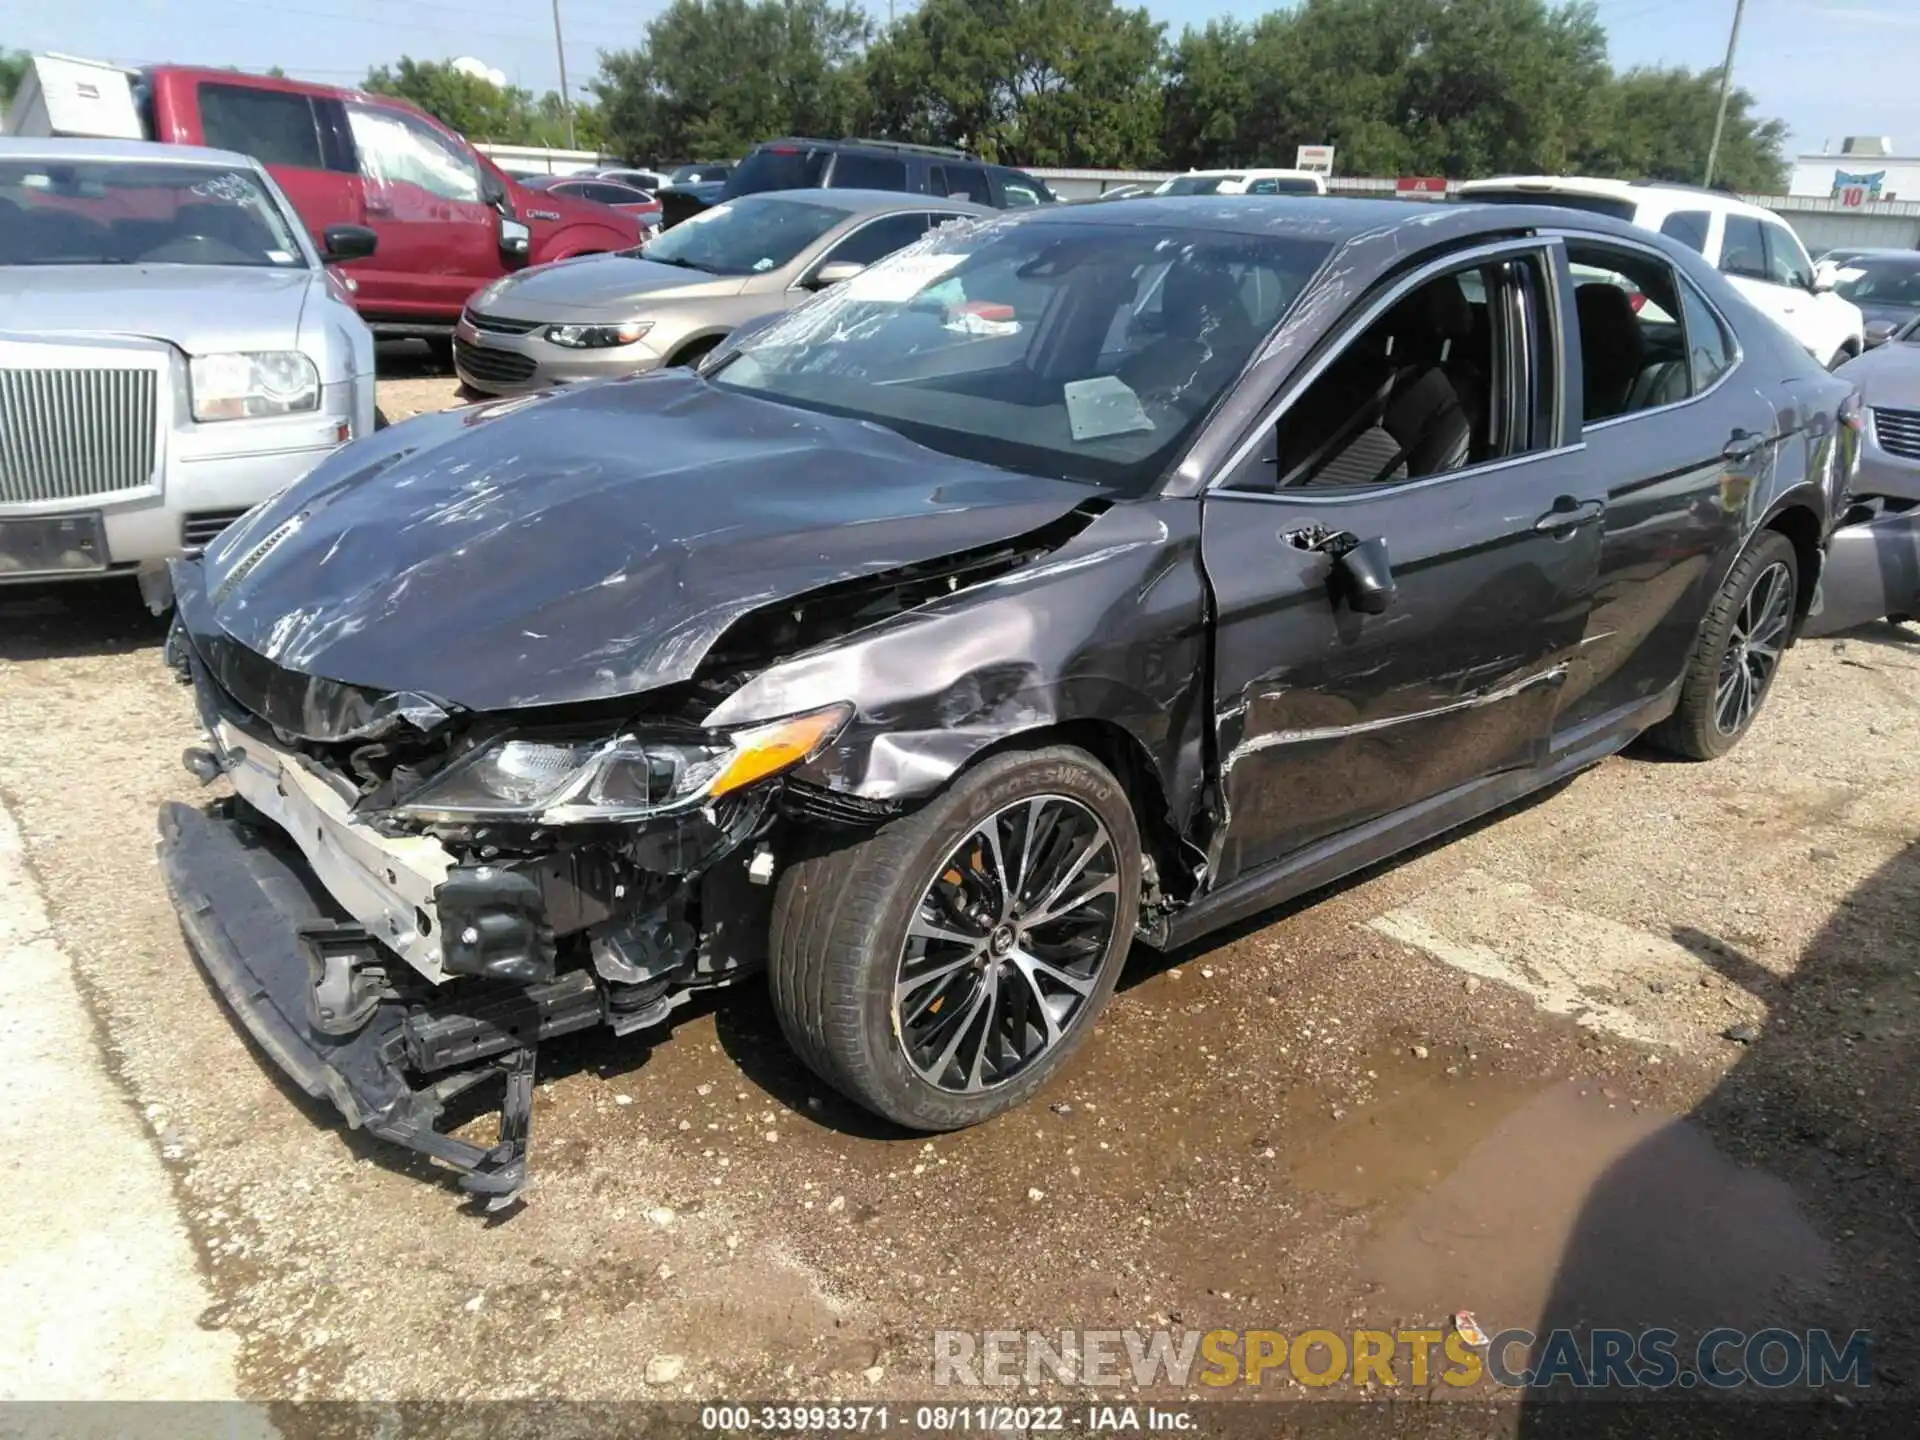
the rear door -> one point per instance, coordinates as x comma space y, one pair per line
288, 133
862, 170
1435, 424
1678, 437
424, 197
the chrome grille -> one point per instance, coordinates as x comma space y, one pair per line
500, 324
1898, 431
65, 433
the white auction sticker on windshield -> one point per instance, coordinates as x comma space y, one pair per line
1104, 405
898, 280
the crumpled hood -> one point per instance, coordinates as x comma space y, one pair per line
203, 309
588, 544
604, 286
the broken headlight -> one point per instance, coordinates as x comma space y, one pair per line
625, 778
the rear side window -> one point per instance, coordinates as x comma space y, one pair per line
1633, 351
1787, 262
1277, 185
853, 170
273, 127
1709, 346
1742, 251
778, 167
1689, 227
960, 182
607, 194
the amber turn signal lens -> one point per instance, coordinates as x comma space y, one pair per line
768, 749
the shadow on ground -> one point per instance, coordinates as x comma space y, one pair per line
1789, 1199
76, 617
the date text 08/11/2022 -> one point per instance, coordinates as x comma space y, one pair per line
978, 1419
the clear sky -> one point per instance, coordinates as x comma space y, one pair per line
1827, 67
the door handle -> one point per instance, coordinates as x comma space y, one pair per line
1568, 514
1742, 445
377, 207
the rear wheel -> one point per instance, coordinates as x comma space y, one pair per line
940, 970
1737, 653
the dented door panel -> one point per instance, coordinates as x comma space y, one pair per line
1326, 718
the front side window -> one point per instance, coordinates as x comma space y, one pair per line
1689, 227
59, 212
1198, 184
1428, 388
1633, 349
748, 236
1085, 352
878, 239
1742, 251
959, 182
1787, 262
853, 170
397, 149
273, 127
1018, 191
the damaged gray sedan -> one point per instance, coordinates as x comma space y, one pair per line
1085, 576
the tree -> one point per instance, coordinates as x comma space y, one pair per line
481, 110
714, 76
13, 69
1658, 125
1446, 87
1026, 82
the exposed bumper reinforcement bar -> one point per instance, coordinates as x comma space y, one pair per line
243, 903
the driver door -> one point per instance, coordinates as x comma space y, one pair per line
426, 200
1328, 717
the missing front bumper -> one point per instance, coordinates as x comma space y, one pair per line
245, 902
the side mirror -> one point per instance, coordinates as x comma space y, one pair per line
834, 272
1369, 578
516, 240
341, 243
1822, 280
1879, 332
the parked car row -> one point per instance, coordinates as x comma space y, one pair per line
914, 655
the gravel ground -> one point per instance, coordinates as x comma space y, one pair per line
1496, 1075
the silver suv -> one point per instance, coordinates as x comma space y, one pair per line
173, 350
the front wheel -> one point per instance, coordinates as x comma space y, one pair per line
1737, 653
941, 969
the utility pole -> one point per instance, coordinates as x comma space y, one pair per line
566, 100
1726, 84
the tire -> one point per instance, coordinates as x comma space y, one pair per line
845, 921
440, 347
1697, 729
1842, 356
380, 421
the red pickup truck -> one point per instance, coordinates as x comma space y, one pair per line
448, 219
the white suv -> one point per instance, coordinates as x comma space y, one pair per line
1754, 248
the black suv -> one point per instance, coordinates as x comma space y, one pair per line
802, 164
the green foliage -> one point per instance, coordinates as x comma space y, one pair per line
1025, 82
1459, 88
13, 69
481, 110
712, 77
1657, 124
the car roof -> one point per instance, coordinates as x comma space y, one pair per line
1638, 192
135, 151
1253, 171
862, 202
1325, 217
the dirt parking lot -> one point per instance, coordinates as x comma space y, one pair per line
1640, 1050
